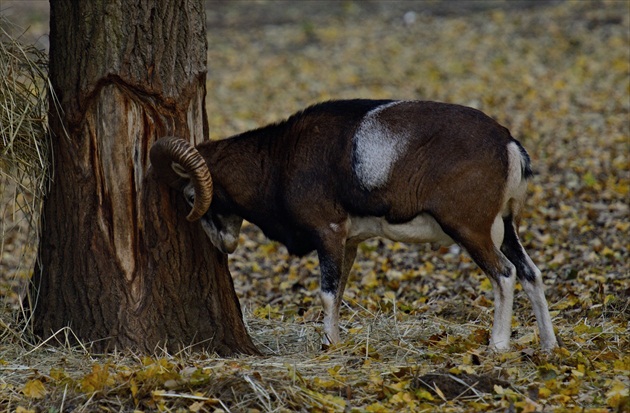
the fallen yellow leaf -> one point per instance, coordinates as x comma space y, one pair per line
34, 389
617, 393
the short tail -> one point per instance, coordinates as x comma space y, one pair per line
519, 172
526, 165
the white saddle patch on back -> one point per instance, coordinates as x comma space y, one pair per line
376, 149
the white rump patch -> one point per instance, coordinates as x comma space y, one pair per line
376, 149
515, 185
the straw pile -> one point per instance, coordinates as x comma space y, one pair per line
23, 155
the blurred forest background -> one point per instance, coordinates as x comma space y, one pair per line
556, 73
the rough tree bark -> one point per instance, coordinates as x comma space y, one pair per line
118, 262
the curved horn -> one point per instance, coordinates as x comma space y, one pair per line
173, 159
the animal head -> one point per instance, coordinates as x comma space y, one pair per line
177, 163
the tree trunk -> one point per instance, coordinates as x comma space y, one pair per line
118, 262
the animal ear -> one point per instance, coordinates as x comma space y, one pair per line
179, 170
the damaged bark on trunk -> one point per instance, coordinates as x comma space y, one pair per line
118, 262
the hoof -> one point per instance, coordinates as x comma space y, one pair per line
502, 348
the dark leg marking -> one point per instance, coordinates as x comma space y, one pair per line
513, 250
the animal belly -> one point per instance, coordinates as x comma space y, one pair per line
423, 228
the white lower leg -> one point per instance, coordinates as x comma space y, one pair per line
331, 319
536, 294
503, 300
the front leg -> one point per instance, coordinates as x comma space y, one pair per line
331, 267
335, 261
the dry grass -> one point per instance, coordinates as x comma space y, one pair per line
24, 151
381, 367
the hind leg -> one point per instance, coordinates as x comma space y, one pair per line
502, 274
503, 288
531, 279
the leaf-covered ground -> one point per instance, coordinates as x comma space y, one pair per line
416, 320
